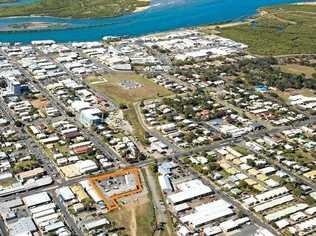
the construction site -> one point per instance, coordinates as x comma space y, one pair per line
112, 187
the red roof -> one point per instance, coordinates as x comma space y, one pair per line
82, 150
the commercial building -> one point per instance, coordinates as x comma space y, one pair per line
189, 190
207, 213
90, 117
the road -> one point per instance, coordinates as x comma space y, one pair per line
107, 151
69, 220
159, 207
288, 171
254, 218
153, 132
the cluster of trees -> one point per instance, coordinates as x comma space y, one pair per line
25, 165
264, 70
206, 73
185, 105
254, 70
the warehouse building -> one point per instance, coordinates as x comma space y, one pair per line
188, 191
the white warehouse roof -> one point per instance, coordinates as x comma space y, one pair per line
208, 212
36, 199
189, 190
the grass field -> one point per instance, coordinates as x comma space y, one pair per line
110, 86
298, 69
75, 8
286, 29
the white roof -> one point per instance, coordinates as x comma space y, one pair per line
209, 231
284, 212
91, 191
79, 105
24, 226
273, 203
310, 211
164, 183
282, 223
263, 232
86, 166
181, 207
189, 190
43, 213
308, 224
36, 199
42, 220
66, 193
271, 193
96, 223
183, 231
54, 226
45, 207
208, 212
228, 225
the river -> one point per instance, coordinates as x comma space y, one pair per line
163, 15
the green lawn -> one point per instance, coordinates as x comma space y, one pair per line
288, 29
75, 8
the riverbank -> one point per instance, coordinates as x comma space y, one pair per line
140, 9
305, 3
162, 16
282, 29
143, 8
75, 9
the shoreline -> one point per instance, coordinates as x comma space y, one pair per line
35, 26
137, 9
41, 25
304, 3
140, 9
74, 27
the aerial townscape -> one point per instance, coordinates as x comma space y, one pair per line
198, 129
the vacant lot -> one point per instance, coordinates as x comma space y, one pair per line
75, 8
288, 29
136, 218
110, 86
40, 103
298, 69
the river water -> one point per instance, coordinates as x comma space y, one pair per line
163, 15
